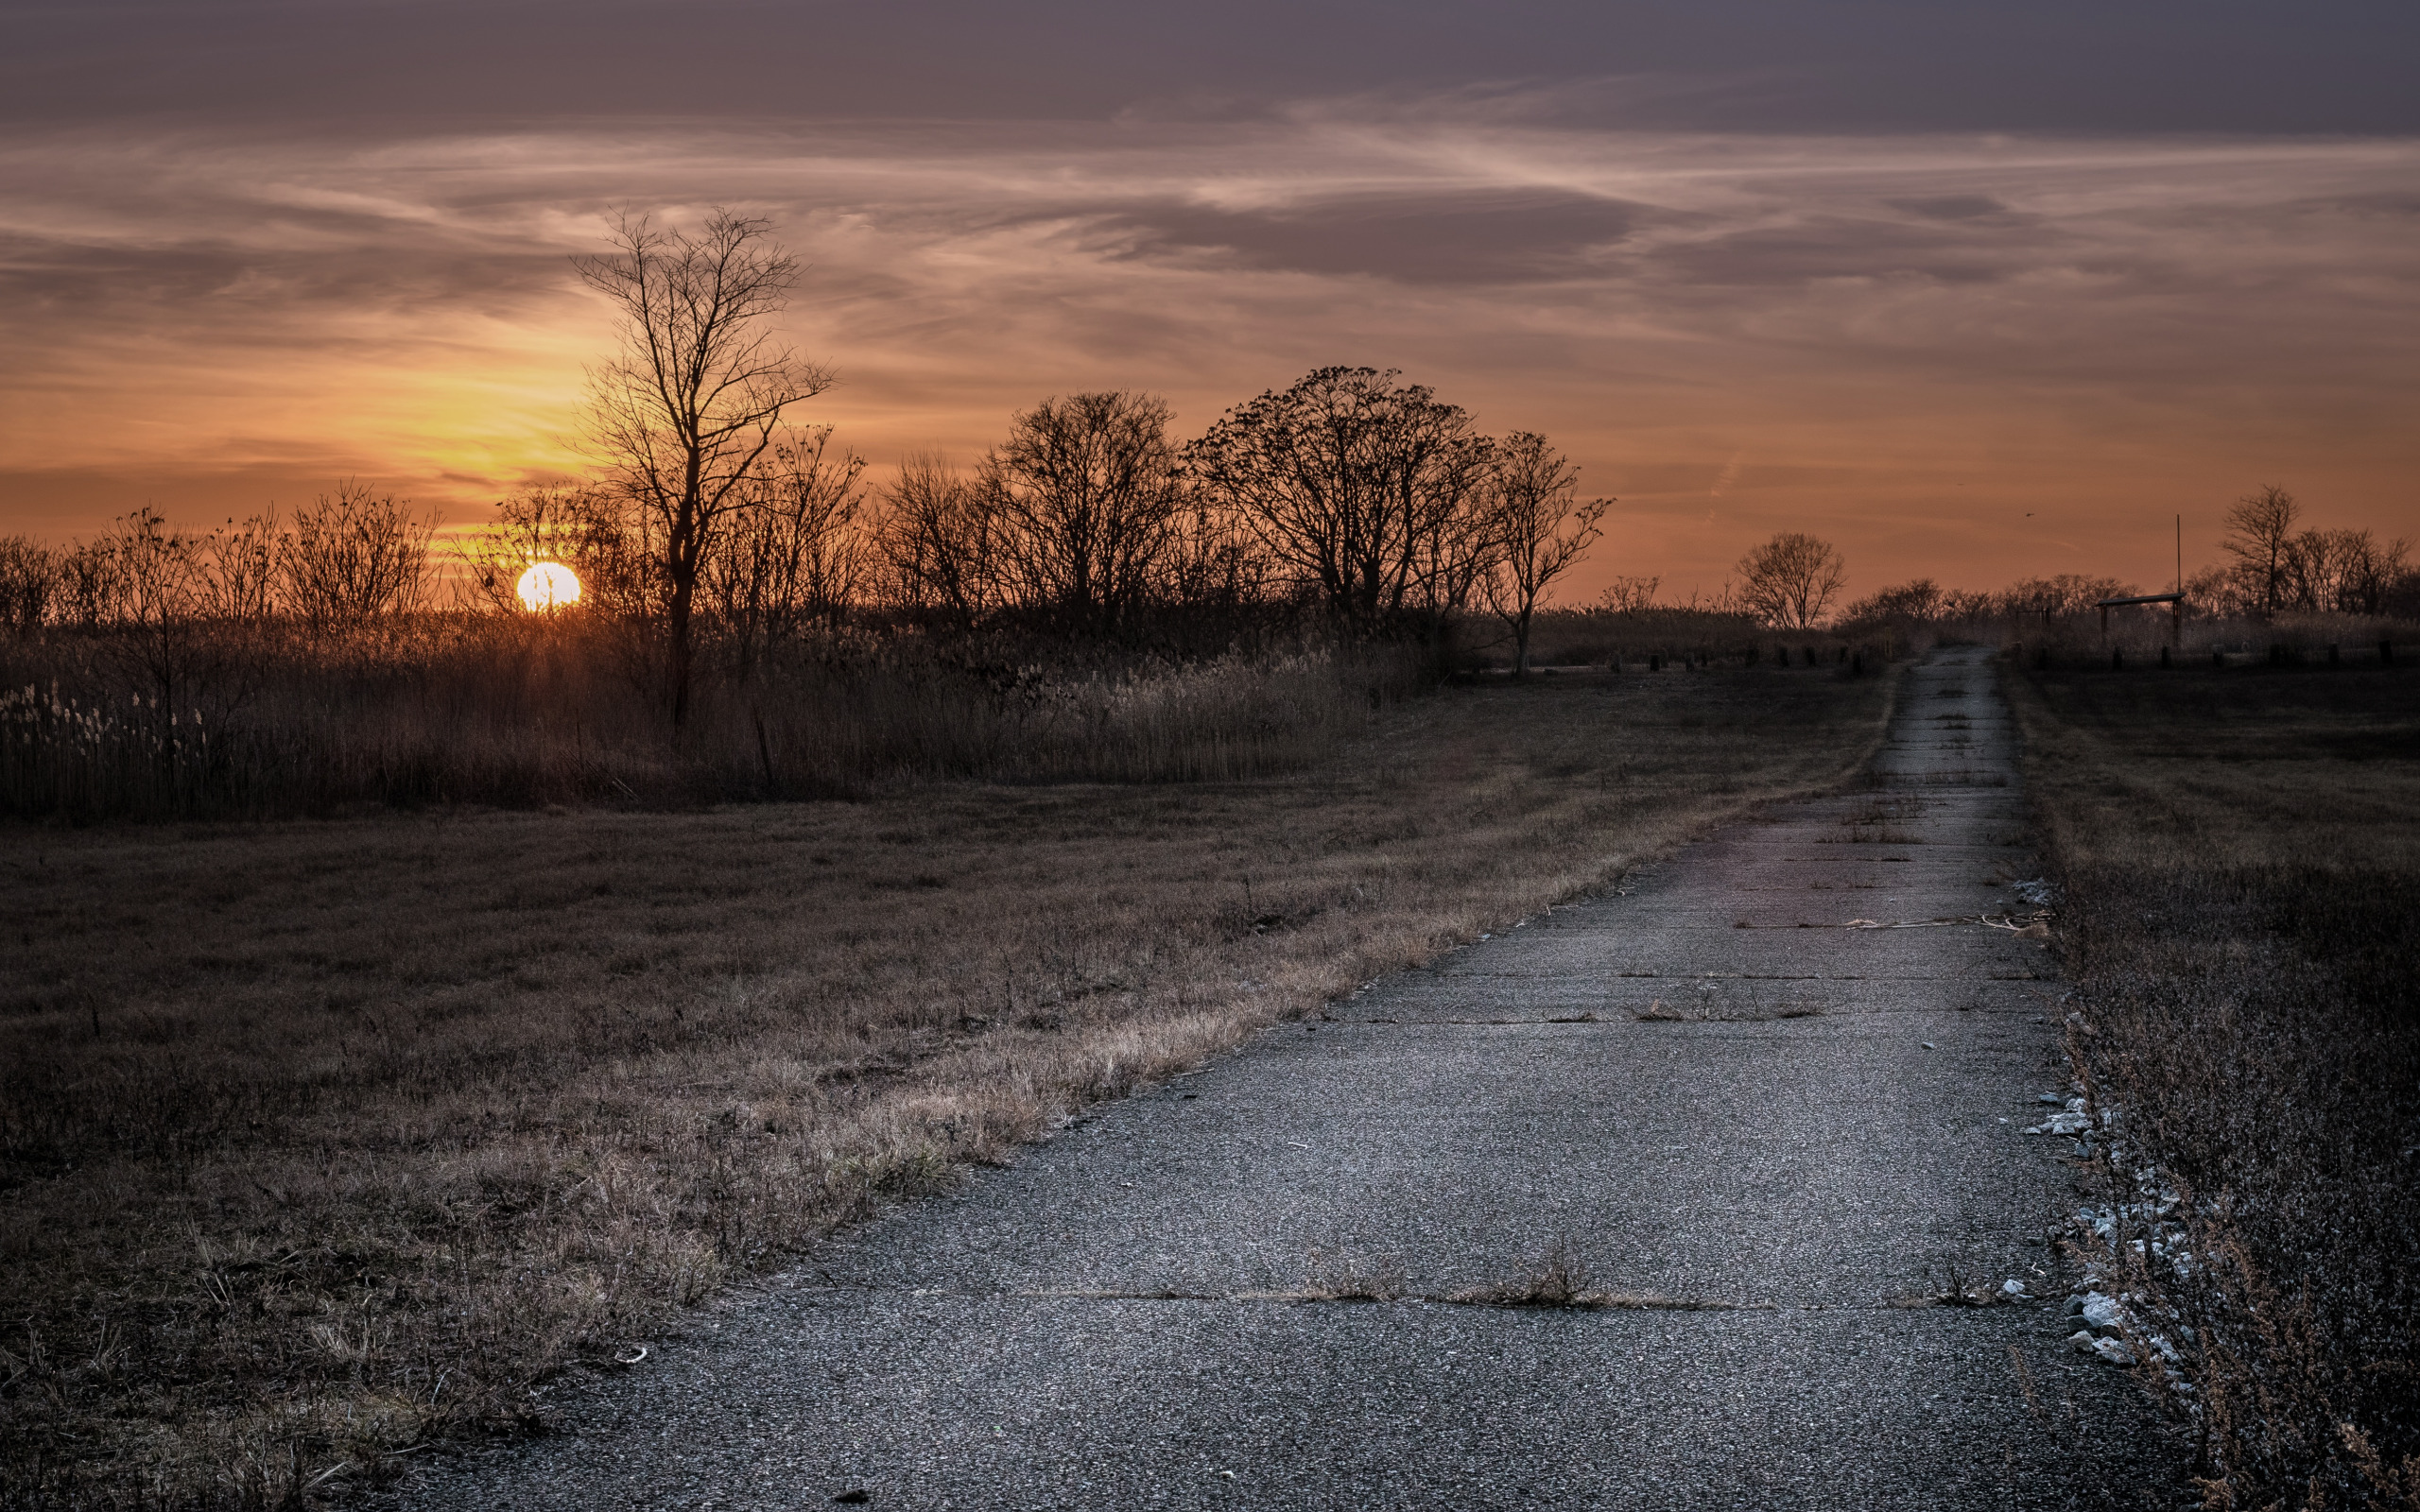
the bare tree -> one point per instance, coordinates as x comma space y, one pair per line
937, 539
2260, 536
2369, 571
246, 563
2344, 571
29, 579
792, 557
2056, 598
1629, 595
1540, 529
1789, 580
1920, 601
1451, 511
157, 572
353, 555
1087, 492
583, 528
1371, 493
687, 410
1216, 564
89, 585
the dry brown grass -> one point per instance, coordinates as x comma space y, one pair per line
2241, 852
325, 1139
265, 722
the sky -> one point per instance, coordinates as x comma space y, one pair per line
1975, 291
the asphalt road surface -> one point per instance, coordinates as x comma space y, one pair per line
1812, 1126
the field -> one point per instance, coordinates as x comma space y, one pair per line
325, 1139
2241, 852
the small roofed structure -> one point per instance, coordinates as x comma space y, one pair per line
2174, 601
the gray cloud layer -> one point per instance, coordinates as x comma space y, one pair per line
2068, 66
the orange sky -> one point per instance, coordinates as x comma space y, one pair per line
1971, 357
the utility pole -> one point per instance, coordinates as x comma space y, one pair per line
2176, 609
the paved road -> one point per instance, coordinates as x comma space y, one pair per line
1827, 1126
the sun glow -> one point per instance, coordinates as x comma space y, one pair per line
548, 585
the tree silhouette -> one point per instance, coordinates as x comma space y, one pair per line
686, 409
1789, 580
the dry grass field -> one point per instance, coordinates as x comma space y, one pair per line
322, 1140
2241, 852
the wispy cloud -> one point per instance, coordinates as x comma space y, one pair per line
1920, 338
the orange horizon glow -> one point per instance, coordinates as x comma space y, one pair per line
1973, 359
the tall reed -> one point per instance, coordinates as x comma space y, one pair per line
443, 709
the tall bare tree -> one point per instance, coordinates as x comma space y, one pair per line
686, 409
1370, 492
2260, 538
1541, 529
1088, 494
1789, 580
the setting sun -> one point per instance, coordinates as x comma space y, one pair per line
548, 585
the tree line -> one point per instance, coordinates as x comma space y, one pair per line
2272, 568
1351, 499
713, 519
344, 559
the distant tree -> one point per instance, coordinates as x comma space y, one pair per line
2219, 592
1920, 601
2260, 537
792, 556
89, 581
1217, 563
353, 556
2370, 570
157, 572
245, 569
30, 578
1789, 580
1087, 495
2343, 571
1541, 529
1629, 595
2069, 593
686, 409
584, 527
937, 540
1373, 494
